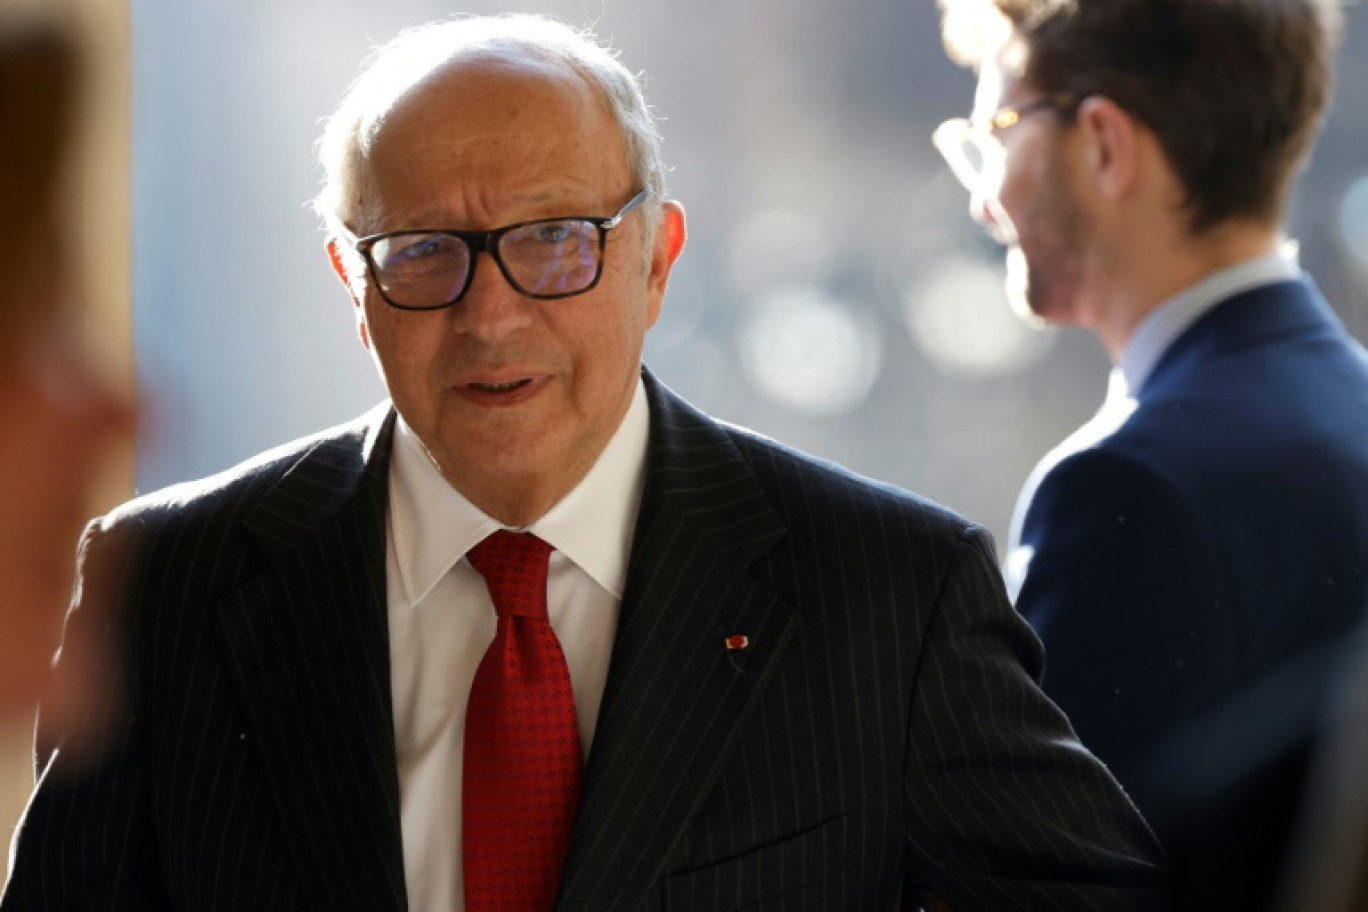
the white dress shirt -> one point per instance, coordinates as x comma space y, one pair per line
441, 621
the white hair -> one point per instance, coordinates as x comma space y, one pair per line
396, 67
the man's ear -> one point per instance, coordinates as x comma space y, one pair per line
670, 236
339, 267
1111, 149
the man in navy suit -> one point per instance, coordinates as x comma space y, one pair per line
1211, 522
792, 688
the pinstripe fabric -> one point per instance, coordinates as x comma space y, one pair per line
882, 733
256, 768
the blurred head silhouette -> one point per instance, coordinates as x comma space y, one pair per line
56, 416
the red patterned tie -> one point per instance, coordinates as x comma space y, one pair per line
522, 745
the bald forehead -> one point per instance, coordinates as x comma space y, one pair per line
478, 72
485, 125
482, 79
491, 94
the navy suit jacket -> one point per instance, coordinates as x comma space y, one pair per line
882, 734
1177, 552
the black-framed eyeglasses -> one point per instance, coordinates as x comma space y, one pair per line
972, 148
431, 268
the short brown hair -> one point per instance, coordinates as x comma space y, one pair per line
1234, 90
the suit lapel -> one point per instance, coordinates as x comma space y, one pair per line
308, 645
676, 695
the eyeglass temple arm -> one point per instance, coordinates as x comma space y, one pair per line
642, 195
342, 233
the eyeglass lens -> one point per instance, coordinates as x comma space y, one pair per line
977, 159
974, 148
549, 258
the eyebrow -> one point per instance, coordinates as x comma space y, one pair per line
435, 219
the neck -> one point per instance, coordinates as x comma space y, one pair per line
519, 502
1147, 276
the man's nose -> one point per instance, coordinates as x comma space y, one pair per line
987, 210
491, 306
980, 208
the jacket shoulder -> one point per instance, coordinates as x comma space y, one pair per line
241, 485
800, 484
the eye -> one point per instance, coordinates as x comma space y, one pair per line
554, 232
419, 247
407, 257
553, 239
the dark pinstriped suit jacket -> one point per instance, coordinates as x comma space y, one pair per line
882, 733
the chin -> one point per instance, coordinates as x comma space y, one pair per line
1022, 296
1043, 296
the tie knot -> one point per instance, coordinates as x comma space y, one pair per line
514, 567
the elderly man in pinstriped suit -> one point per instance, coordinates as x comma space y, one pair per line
792, 688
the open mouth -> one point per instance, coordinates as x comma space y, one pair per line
499, 387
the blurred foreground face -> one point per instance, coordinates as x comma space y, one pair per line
57, 421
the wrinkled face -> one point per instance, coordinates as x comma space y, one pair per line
58, 421
508, 393
1032, 190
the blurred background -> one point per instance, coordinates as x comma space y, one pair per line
834, 293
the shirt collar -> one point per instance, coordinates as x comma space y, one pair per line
433, 525
1166, 322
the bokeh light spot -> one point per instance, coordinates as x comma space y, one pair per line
778, 247
1353, 220
811, 353
960, 318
